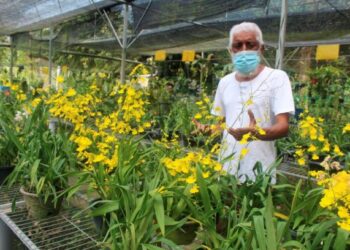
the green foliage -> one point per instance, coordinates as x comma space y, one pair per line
8, 150
329, 91
44, 157
179, 118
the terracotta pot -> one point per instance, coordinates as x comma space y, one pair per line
37, 208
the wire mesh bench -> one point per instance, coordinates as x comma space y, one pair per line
68, 230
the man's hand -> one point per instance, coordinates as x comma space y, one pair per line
200, 128
238, 133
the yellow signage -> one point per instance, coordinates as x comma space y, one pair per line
188, 55
160, 55
327, 52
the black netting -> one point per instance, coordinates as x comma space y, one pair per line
198, 24
162, 12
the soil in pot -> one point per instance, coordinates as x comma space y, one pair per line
37, 208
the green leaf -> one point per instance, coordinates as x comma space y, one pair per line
260, 231
270, 227
203, 190
328, 242
243, 211
151, 247
139, 203
12, 135
40, 184
107, 207
297, 221
169, 221
159, 210
34, 172
133, 237
293, 244
292, 211
322, 230
340, 240
215, 189
280, 228
170, 244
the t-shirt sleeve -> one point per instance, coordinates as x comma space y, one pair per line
282, 101
218, 107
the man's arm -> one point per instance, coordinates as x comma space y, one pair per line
278, 130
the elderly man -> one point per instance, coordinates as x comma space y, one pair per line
255, 102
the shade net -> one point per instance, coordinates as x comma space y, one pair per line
199, 24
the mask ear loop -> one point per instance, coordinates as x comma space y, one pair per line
263, 57
265, 61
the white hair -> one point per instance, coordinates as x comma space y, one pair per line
246, 27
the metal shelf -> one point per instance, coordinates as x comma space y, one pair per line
8, 196
71, 229
295, 171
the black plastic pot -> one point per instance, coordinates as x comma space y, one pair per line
4, 172
100, 222
184, 235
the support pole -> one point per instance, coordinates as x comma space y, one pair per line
11, 59
282, 34
50, 56
52, 124
124, 45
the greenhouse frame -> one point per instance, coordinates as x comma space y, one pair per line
141, 124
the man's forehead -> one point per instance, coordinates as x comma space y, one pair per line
245, 35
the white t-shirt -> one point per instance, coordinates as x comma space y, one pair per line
267, 95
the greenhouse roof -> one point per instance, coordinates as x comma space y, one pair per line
171, 25
23, 15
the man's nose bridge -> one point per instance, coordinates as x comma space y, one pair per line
244, 46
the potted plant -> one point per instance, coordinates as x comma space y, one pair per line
8, 150
43, 163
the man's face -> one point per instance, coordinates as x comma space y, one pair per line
245, 40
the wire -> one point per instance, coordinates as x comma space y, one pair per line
337, 10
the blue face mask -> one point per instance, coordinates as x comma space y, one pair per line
246, 62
